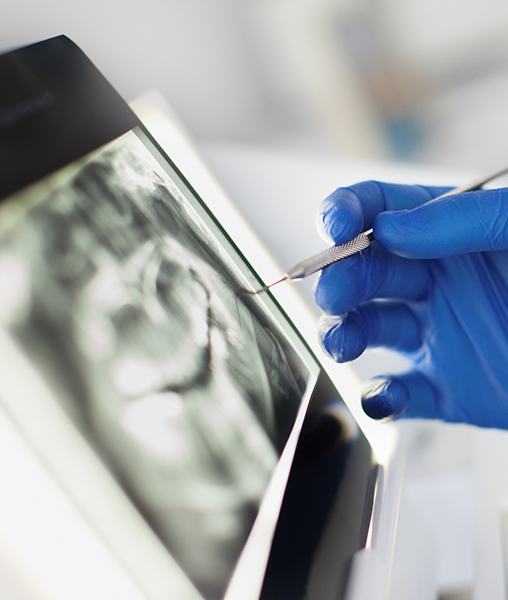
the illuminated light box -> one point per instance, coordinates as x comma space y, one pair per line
163, 401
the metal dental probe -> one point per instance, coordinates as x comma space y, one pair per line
327, 257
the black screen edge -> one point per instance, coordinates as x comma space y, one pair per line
55, 107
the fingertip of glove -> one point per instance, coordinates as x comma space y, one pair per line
340, 218
385, 399
342, 338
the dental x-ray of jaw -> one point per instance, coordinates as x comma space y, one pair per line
128, 305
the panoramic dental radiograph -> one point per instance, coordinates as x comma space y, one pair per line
128, 304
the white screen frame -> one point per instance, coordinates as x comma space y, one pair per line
42, 426
152, 573
372, 567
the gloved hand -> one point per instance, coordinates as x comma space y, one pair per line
434, 287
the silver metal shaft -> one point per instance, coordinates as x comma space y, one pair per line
319, 261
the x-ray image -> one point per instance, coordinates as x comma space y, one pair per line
130, 308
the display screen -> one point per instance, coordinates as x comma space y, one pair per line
127, 297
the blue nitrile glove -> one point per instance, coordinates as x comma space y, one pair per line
434, 287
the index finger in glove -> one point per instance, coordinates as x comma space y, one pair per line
459, 224
349, 210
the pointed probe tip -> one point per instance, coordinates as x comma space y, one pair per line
265, 288
285, 278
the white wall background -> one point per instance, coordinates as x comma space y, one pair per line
196, 52
364, 78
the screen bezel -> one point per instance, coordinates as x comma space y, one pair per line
47, 98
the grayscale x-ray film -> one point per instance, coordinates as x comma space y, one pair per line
127, 304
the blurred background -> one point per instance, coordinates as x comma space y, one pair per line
405, 79
288, 99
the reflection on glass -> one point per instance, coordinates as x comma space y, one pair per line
127, 303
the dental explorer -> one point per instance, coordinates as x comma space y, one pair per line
327, 257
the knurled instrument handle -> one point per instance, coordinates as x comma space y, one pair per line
319, 261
